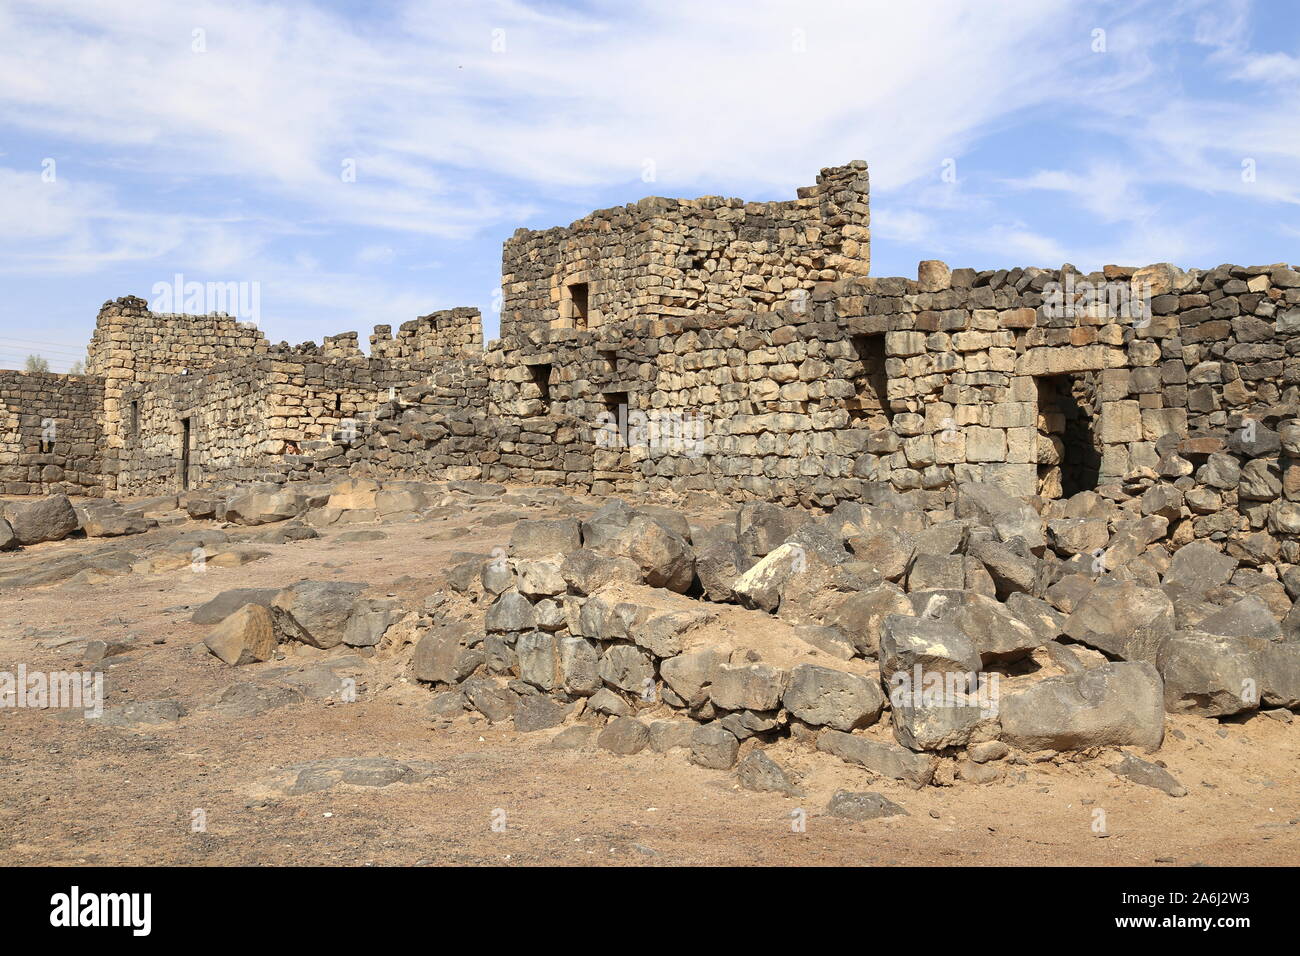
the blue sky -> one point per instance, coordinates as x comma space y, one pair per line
212, 139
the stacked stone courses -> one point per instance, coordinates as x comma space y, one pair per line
721, 346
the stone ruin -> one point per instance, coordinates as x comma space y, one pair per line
1085, 486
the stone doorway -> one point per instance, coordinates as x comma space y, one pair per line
1069, 454
185, 454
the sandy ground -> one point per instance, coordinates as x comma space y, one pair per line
74, 791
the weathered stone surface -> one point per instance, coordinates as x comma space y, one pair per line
49, 519
1209, 675
628, 668
665, 559
370, 619
316, 612
587, 572
8, 540
664, 635
1008, 516
760, 773
714, 747
1198, 567
747, 686
1148, 775
885, 759
245, 636
442, 654
910, 642
624, 735
860, 615
691, 673
863, 806
227, 602
511, 613
536, 538
1124, 620
1115, 705
668, 735
761, 526
822, 696
258, 508
534, 712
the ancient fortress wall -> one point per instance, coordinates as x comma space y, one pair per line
50, 435
253, 411
673, 257
132, 348
738, 348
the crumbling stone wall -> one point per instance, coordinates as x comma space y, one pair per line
133, 347
673, 257
50, 436
446, 336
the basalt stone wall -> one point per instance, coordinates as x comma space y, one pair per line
1042, 382
50, 436
285, 414
133, 347
675, 257
445, 336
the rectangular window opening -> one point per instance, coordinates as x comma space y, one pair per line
871, 403
541, 375
579, 296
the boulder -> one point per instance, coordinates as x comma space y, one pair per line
886, 759
624, 735
49, 519
106, 519
762, 526
1124, 620
535, 538
1114, 705
1198, 567
863, 806
8, 540
1009, 517
245, 636
370, 619
665, 559
260, 507
1209, 675
825, 697
860, 615
535, 712
713, 746
316, 612
1148, 774
227, 602
443, 656
1248, 617
748, 686
910, 642
760, 773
